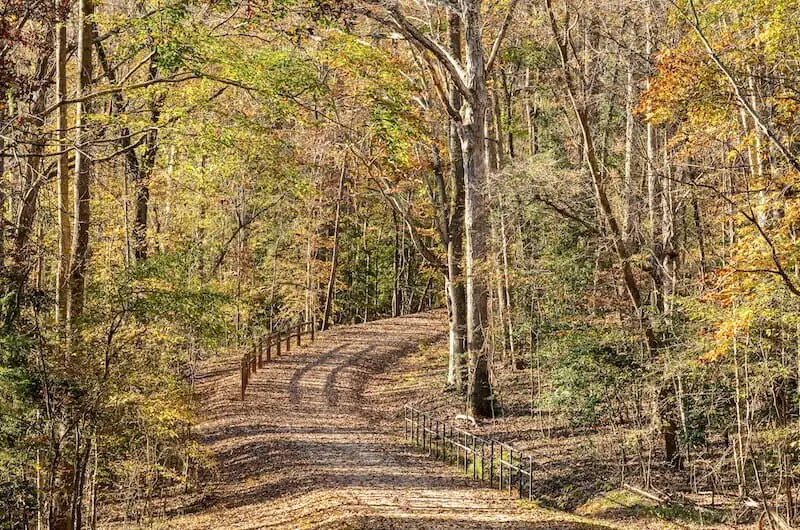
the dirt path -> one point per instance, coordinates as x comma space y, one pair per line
308, 450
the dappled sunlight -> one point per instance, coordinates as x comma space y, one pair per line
304, 450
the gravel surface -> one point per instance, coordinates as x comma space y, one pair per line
318, 444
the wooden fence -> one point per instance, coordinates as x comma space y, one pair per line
263, 347
492, 462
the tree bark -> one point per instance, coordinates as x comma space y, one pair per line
335, 253
531, 115
653, 184
3, 197
83, 166
142, 183
476, 211
455, 230
397, 293
64, 230
630, 139
33, 182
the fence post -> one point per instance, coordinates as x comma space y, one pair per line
451, 440
439, 444
244, 381
483, 459
501, 468
444, 441
313, 326
474, 460
424, 420
530, 477
510, 469
436, 442
491, 466
299, 332
278, 340
260, 347
458, 450
269, 347
255, 358
414, 437
288, 340
439, 439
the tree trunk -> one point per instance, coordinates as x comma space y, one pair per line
64, 232
3, 196
22, 259
669, 250
508, 93
701, 240
335, 253
476, 211
308, 298
630, 139
531, 114
397, 293
508, 321
653, 184
142, 182
83, 164
455, 231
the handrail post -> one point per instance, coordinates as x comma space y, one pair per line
444, 442
451, 441
458, 450
269, 347
424, 419
436, 442
440, 439
474, 460
288, 340
260, 346
510, 469
299, 332
466, 454
417, 429
483, 460
313, 326
278, 341
501, 468
254, 358
244, 378
530, 477
491, 465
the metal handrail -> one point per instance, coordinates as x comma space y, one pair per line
464, 449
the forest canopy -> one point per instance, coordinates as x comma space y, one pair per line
602, 194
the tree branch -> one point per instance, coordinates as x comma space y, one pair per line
498, 41
401, 22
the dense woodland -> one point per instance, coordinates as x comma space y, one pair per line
601, 193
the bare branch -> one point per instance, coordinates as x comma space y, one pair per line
498, 41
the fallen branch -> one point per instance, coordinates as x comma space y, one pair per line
469, 419
652, 496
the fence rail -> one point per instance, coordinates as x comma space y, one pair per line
262, 348
490, 461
